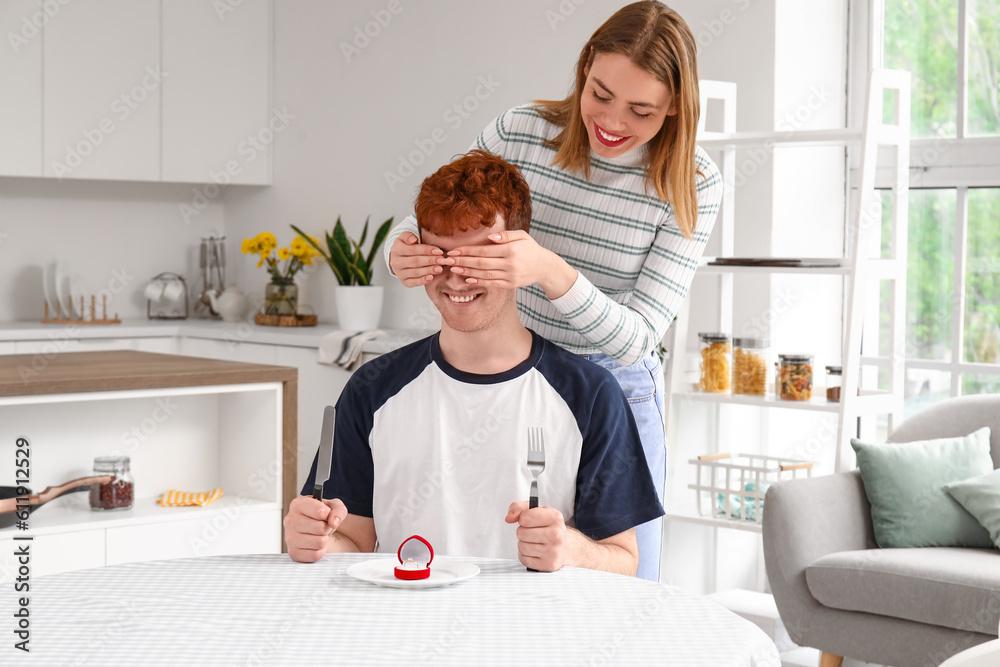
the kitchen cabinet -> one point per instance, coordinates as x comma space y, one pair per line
187, 424
102, 88
21, 81
217, 124
161, 344
228, 350
49, 553
139, 90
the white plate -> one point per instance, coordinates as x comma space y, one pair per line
49, 285
62, 279
78, 293
444, 572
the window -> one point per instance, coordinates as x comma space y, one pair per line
952, 49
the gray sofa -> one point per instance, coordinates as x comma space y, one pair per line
838, 592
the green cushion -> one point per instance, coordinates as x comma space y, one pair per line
905, 483
981, 497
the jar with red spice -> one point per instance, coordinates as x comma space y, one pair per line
119, 493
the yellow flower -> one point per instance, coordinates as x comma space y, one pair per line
300, 248
267, 242
307, 261
283, 253
248, 246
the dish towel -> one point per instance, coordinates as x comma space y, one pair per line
343, 348
188, 499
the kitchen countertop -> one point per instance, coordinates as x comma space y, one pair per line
241, 331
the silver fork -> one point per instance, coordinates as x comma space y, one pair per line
536, 461
536, 464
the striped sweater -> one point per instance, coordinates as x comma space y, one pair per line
635, 266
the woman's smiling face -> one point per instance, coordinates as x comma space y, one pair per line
623, 106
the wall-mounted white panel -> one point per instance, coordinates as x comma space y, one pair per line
21, 83
217, 124
102, 84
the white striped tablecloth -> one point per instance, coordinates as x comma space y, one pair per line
268, 610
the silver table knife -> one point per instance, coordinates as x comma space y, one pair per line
325, 451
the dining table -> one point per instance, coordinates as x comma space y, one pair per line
266, 609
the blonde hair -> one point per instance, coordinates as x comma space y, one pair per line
657, 40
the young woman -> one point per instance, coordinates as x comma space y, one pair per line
623, 202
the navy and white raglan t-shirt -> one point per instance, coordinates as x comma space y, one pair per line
449, 449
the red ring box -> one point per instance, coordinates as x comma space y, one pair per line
419, 551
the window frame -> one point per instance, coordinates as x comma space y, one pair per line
951, 163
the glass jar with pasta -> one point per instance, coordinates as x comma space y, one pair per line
795, 376
750, 368
715, 367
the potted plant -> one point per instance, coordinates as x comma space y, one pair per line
359, 303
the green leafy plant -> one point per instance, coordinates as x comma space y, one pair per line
345, 256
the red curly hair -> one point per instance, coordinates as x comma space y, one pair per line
469, 192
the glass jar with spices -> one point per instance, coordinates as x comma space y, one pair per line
750, 366
834, 377
715, 366
796, 376
117, 494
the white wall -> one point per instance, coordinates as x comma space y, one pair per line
115, 235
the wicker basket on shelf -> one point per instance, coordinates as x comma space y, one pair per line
733, 488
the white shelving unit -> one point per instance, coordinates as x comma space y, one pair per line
197, 436
858, 269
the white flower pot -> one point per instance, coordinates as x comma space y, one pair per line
359, 307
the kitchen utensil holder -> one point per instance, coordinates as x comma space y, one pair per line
160, 315
739, 484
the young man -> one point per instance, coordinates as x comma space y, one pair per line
431, 439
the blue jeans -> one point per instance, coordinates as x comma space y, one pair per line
643, 386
